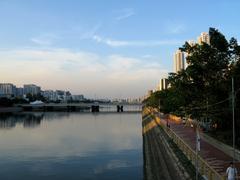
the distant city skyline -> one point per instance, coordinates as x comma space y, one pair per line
11, 91
114, 49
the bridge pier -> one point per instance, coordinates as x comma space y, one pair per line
71, 108
119, 108
95, 108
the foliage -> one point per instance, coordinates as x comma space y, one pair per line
35, 97
5, 102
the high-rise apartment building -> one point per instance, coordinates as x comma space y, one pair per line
204, 37
163, 84
50, 95
178, 60
7, 90
20, 92
191, 43
31, 89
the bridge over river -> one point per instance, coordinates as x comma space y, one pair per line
94, 107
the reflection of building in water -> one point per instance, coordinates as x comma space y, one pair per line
7, 123
32, 120
53, 115
29, 120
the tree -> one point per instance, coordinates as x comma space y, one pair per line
5, 102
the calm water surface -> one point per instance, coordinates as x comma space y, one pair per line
71, 146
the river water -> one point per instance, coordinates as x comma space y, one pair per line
58, 145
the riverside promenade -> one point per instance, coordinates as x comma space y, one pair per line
213, 156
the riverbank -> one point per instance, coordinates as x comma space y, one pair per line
10, 109
160, 162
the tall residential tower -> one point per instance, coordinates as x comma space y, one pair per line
204, 37
178, 60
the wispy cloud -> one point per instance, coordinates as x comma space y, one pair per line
174, 27
41, 41
123, 43
177, 29
125, 13
44, 39
91, 32
148, 56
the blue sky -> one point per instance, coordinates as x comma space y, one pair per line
108, 48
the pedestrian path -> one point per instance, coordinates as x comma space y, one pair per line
216, 158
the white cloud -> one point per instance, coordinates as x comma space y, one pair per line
122, 43
125, 13
91, 31
148, 56
41, 41
177, 29
174, 27
80, 72
44, 39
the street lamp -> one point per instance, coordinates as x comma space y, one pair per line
159, 107
233, 118
197, 148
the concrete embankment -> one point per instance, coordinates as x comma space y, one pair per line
159, 163
10, 109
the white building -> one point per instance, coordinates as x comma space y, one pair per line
191, 43
77, 97
163, 84
204, 37
50, 95
178, 61
19, 92
7, 90
31, 89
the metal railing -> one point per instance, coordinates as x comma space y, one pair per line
203, 167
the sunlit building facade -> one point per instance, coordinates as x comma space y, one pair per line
178, 61
163, 84
204, 38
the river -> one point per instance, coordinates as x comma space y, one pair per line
61, 145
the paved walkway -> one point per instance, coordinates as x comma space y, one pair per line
215, 157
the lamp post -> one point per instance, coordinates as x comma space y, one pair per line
159, 108
233, 119
197, 148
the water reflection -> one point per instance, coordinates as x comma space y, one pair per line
29, 120
71, 146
